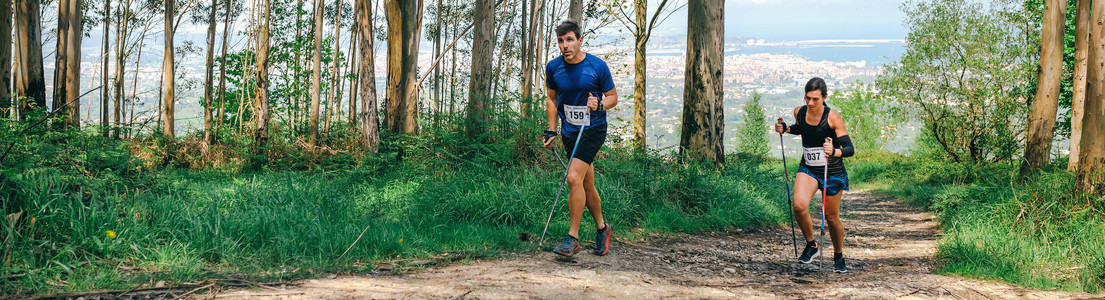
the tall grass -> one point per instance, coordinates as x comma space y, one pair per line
100, 228
1034, 231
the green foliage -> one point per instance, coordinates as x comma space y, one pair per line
752, 131
105, 219
870, 118
963, 76
1036, 233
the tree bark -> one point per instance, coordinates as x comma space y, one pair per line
209, 77
31, 80
73, 65
121, 32
483, 50
297, 99
352, 67
168, 72
61, 52
404, 23
316, 77
1041, 117
530, 57
1078, 98
5, 58
703, 117
104, 91
222, 71
1091, 174
575, 12
261, 133
639, 73
335, 107
370, 123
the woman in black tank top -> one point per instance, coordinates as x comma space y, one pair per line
825, 144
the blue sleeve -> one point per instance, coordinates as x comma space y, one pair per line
549, 77
606, 80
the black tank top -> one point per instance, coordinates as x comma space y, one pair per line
814, 137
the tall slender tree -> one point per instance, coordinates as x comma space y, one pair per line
168, 72
123, 13
335, 107
5, 55
222, 69
264, 116
31, 81
370, 123
529, 56
703, 117
209, 76
61, 53
483, 50
316, 76
1078, 98
105, 120
73, 64
1041, 117
404, 24
641, 28
1091, 173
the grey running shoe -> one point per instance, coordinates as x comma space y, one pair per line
569, 246
602, 240
838, 265
809, 253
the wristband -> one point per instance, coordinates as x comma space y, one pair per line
549, 134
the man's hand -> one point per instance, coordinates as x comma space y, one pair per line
780, 127
593, 102
547, 138
829, 149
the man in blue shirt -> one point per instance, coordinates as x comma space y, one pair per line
580, 90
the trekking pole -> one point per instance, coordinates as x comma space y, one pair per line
824, 192
567, 167
790, 204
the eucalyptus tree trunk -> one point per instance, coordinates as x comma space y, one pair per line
370, 123
1078, 98
1091, 174
703, 118
168, 72
1041, 117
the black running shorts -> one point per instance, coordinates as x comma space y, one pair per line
589, 144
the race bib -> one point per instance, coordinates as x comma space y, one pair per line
577, 115
815, 157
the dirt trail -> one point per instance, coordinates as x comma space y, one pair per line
890, 246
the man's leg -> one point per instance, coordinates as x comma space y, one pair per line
594, 203
577, 196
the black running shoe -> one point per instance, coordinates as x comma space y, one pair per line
809, 253
569, 246
838, 265
602, 240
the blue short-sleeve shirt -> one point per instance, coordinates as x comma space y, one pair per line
573, 83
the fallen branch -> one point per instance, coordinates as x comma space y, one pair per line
354, 243
194, 290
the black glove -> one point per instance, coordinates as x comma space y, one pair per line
549, 134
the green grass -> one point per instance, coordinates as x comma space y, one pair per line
1033, 232
183, 225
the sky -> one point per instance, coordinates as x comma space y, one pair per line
795, 20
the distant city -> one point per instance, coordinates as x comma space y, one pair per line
776, 69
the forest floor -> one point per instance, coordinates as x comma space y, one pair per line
890, 247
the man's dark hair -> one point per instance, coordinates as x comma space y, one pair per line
817, 84
566, 27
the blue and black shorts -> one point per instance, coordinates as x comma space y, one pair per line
836, 183
589, 144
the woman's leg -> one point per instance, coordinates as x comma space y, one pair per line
832, 217
804, 188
